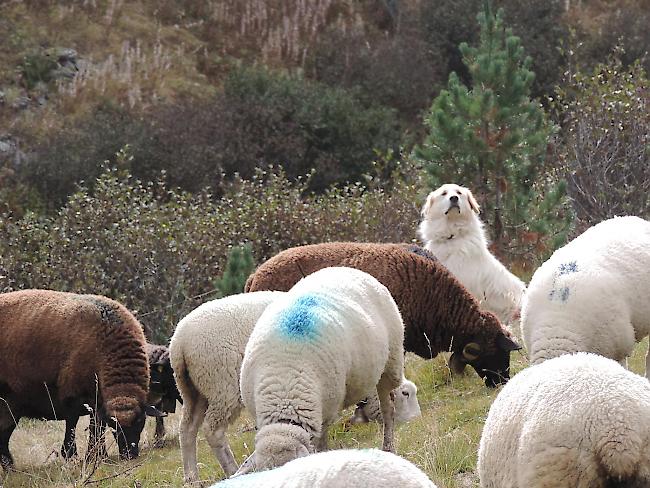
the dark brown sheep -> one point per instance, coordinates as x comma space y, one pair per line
65, 355
439, 313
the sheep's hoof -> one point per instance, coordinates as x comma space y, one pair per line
158, 442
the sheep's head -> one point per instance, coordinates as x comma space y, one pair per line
125, 416
489, 356
275, 445
407, 406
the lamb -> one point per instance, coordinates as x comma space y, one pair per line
350, 468
439, 314
206, 353
575, 421
303, 364
62, 353
592, 294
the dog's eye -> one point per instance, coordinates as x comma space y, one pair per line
405, 393
444, 193
459, 192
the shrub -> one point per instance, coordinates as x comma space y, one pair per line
606, 141
159, 251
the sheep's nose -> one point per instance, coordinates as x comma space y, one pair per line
453, 199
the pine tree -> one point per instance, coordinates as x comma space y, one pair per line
493, 138
239, 265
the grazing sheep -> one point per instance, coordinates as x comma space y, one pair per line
206, 353
349, 468
62, 352
162, 387
576, 421
406, 405
452, 230
439, 314
320, 348
160, 401
592, 294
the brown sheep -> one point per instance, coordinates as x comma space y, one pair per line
64, 354
439, 313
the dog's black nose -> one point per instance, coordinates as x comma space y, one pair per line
453, 199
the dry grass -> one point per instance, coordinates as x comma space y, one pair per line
443, 442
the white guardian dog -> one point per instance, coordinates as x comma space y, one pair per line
452, 231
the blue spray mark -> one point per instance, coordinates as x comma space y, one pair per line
566, 268
301, 319
562, 294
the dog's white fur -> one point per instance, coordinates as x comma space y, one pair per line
452, 231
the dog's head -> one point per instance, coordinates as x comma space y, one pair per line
450, 201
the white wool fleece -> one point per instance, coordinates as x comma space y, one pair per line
592, 295
345, 468
206, 353
334, 337
576, 421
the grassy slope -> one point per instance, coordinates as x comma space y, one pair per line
443, 442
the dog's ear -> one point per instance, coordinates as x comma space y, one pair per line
473, 204
427, 205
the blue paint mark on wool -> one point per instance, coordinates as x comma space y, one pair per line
566, 268
301, 319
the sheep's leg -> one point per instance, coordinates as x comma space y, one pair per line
192, 416
219, 443
96, 442
159, 436
6, 461
387, 407
69, 447
321, 440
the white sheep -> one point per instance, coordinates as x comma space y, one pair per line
575, 421
406, 405
349, 468
320, 348
592, 294
206, 352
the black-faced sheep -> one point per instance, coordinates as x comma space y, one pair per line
439, 313
62, 353
163, 392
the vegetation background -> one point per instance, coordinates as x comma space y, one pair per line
142, 142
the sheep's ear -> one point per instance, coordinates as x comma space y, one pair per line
473, 204
471, 351
428, 204
507, 344
248, 466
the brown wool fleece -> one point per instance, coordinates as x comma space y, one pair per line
72, 343
438, 312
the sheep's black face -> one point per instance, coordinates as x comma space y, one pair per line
128, 437
493, 367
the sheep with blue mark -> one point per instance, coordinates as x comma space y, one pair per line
303, 363
349, 468
592, 294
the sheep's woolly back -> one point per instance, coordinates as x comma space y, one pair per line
576, 421
64, 340
435, 306
304, 362
207, 349
592, 294
350, 468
